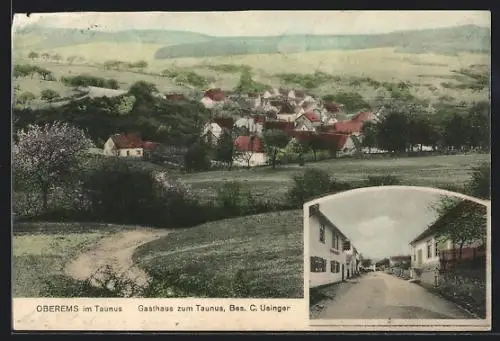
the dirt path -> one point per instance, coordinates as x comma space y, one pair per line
116, 252
383, 296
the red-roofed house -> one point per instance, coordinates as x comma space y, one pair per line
277, 124
343, 143
128, 145
213, 96
349, 127
249, 144
309, 121
251, 149
365, 116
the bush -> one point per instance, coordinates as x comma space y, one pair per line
87, 80
104, 283
119, 191
49, 95
310, 184
235, 198
197, 158
382, 180
480, 184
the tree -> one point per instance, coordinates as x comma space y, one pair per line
49, 95
421, 132
247, 84
57, 57
197, 157
460, 221
274, 141
383, 263
143, 91
25, 97
44, 73
71, 59
49, 154
225, 150
352, 101
366, 262
456, 132
479, 121
480, 184
369, 135
33, 55
393, 132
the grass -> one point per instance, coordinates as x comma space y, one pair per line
429, 171
381, 64
267, 249
41, 250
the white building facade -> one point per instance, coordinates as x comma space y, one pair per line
326, 243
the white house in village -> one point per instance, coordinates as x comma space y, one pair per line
249, 124
426, 248
128, 145
353, 262
211, 132
327, 258
125, 145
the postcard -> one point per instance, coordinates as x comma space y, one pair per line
251, 171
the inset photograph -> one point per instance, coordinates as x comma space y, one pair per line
397, 253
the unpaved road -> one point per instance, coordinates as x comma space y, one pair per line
116, 252
382, 296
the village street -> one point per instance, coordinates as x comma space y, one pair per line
378, 295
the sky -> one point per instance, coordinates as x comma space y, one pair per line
262, 23
382, 223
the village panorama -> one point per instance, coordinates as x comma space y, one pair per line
167, 163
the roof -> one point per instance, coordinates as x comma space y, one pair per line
349, 126
332, 107
337, 140
249, 143
364, 116
176, 97
300, 93
224, 122
464, 208
132, 140
278, 124
312, 116
215, 94
148, 145
283, 91
324, 219
127, 140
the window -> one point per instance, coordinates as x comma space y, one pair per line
429, 249
334, 267
335, 241
318, 264
322, 233
414, 255
436, 251
138, 152
128, 152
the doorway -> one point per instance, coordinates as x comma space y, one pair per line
343, 276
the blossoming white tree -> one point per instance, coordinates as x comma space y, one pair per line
45, 155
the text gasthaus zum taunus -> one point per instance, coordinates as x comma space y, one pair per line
156, 308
